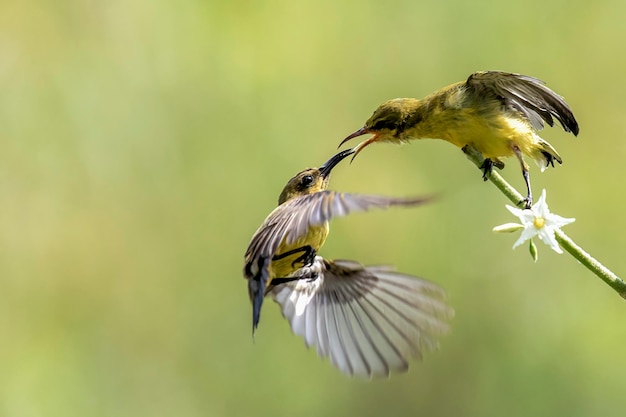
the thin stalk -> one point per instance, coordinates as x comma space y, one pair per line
565, 241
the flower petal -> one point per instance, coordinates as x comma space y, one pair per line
547, 236
514, 210
540, 208
527, 233
508, 228
557, 221
536, 221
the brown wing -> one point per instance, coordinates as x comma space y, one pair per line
527, 95
369, 320
292, 220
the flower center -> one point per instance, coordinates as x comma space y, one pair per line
539, 222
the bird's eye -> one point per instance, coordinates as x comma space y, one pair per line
306, 180
382, 124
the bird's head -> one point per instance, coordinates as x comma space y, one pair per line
386, 123
311, 180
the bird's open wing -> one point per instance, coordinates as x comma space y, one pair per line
527, 95
292, 220
369, 320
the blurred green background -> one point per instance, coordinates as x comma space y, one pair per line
143, 142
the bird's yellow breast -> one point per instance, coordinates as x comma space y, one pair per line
315, 238
490, 131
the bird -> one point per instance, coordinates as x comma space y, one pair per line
497, 113
369, 320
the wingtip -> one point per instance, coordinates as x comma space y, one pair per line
376, 322
424, 199
569, 123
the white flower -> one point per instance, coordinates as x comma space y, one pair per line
536, 221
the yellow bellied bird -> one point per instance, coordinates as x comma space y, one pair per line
497, 113
370, 320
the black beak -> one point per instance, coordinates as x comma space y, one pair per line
360, 132
330, 164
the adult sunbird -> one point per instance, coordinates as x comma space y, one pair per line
497, 113
368, 320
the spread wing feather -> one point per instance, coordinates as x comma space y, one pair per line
370, 321
292, 219
528, 95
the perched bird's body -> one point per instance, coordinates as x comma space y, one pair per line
368, 320
497, 113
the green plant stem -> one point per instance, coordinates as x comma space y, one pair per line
566, 243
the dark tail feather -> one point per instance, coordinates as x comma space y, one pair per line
256, 290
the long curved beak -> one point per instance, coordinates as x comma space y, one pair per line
361, 131
332, 162
358, 148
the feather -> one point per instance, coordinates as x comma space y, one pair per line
529, 96
370, 321
293, 219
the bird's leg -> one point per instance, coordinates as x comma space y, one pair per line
311, 276
306, 258
528, 201
488, 163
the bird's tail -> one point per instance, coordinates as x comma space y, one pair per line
545, 155
256, 291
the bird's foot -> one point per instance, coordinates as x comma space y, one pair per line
307, 256
526, 202
487, 166
498, 164
308, 275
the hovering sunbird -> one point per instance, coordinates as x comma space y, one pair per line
497, 113
370, 320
